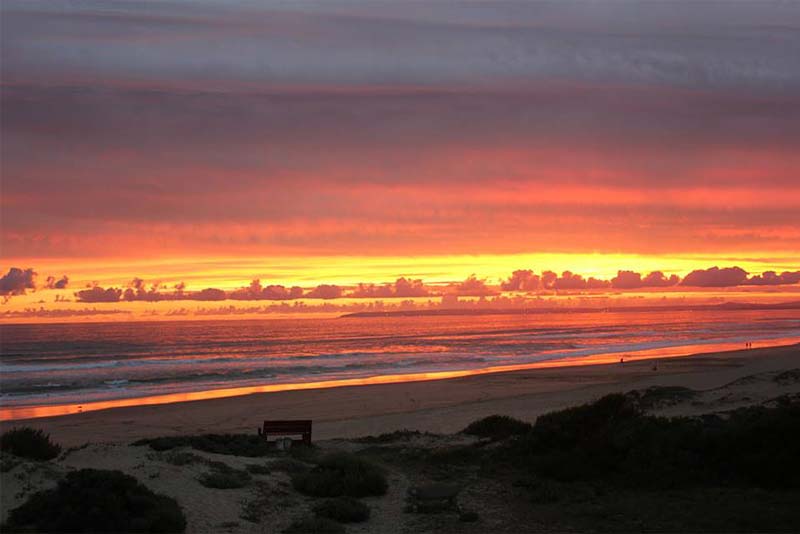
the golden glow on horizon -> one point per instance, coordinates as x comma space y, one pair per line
232, 273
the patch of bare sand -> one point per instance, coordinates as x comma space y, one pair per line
758, 388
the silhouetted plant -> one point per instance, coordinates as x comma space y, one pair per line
224, 477
497, 427
315, 525
390, 437
182, 458
289, 465
613, 441
92, 500
27, 442
342, 474
343, 510
232, 444
258, 469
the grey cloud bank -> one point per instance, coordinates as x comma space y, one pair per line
245, 46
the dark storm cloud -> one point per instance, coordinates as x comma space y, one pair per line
99, 294
472, 287
716, 277
521, 280
255, 291
402, 287
210, 294
569, 280
548, 279
735, 276
325, 291
771, 278
53, 283
16, 282
634, 280
659, 279
237, 45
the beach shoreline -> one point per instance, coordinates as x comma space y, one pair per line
444, 406
607, 356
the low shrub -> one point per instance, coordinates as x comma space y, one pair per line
343, 510
304, 453
223, 477
8, 462
258, 469
182, 458
613, 441
29, 443
468, 516
250, 445
92, 500
391, 437
342, 474
315, 525
289, 465
497, 427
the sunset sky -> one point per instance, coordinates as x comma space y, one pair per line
345, 142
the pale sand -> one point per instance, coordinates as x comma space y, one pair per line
725, 380
442, 406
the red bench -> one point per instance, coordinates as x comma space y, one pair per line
297, 427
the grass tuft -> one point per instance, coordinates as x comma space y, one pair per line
258, 469
497, 427
249, 445
222, 476
315, 525
343, 510
29, 443
342, 474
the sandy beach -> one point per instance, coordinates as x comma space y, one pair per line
102, 439
441, 406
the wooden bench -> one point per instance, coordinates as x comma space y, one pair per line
297, 427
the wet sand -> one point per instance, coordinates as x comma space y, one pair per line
435, 406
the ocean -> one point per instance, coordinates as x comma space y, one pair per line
50, 365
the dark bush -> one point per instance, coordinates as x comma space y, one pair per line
497, 427
391, 437
182, 458
343, 510
611, 440
468, 516
224, 477
92, 500
304, 453
29, 443
315, 525
8, 462
342, 474
258, 469
250, 445
289, 465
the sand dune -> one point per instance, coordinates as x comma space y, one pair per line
691, 385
